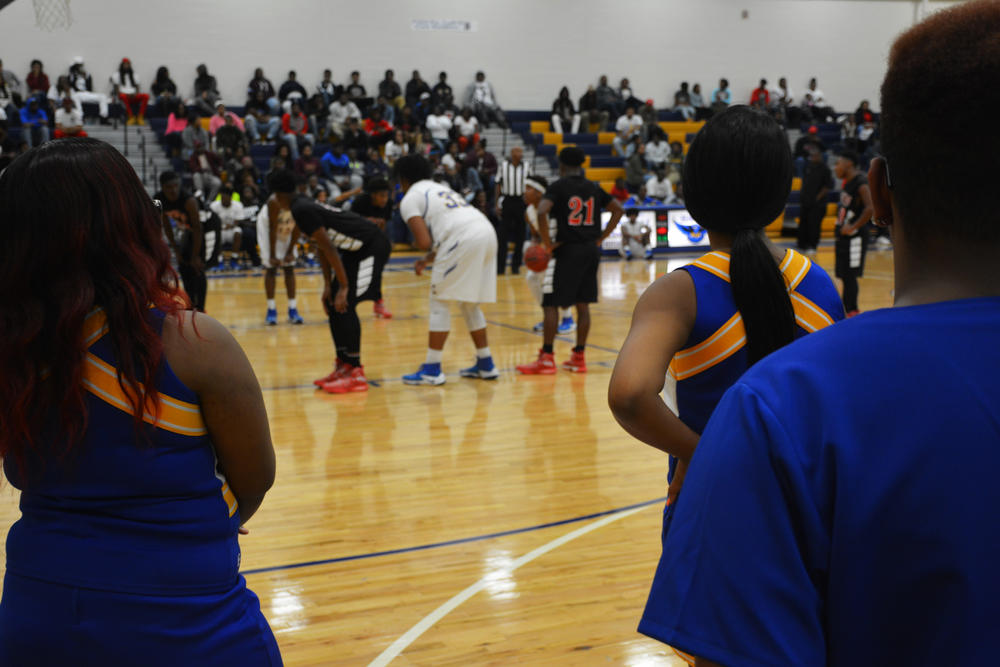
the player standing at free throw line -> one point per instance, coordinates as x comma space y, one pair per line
463, 249
576, 205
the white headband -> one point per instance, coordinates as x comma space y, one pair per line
532, 183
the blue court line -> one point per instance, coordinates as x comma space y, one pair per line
449, 543
567, 339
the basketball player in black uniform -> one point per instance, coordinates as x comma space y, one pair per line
186, 236
853, 213
571, 276
356, 251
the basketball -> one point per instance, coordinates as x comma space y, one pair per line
536, 258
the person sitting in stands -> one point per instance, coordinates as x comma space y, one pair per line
340, 110
206, 91
387, 110
378, 130
308, 164
176, 124
484, 103
628, 126
814, 104
650, 119
355, 138
259, 116
608, 99
375, 166
416, 88
722, 97
590, 114
37, 80
439, 125
83, 84
701, 111
329, 90
626, 95
193, 134
390, 90
291, 91
635, 165
760, 97
219, 119
442, 94
659, 186
657, 149
34, 123
229, 138
206, 171
295, 129
619, 191
261, 84
125, 86
164, 91
69, 120
467, 126
641, 198
564, 113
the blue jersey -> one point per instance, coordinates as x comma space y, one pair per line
715, 355
123, 513
841, 505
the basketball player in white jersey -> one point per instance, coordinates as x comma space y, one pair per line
534, 188
462, 246
276, 234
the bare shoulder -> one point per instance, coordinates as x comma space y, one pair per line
199, 349
673, 291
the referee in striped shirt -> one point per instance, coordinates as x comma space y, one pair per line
511, 209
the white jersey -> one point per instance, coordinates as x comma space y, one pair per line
448, 216
229, 215
532, 214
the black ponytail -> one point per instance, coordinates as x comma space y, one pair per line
737, 177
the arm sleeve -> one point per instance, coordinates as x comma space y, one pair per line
734, 584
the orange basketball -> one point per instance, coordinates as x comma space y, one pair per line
536, 258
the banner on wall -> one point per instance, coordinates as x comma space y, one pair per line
443, 25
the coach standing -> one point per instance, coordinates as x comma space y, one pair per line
511, 209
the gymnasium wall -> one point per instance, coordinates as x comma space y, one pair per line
528, 48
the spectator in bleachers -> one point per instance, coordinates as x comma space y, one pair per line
722, 97
619, 191
385, 109
701, 110
635, 166
439, 125
229, 137
814, 105
682, 102
206, 91
260, 84
783, 99
467, 126
231, 213
659, 187
307, 164
247, 173
864, 121
682, 95
8, 104
83, 84
319, 116
11, 84
336, 168
61, 89
589, 112
761, 97
258, 117
37, 81
441, 94
481, 168
608, 99
378, 130
626, 95
451, 158
355, 138
340, 110
34, 123
176, 124
193, 135
647, 112
390, 90
375, 166
396, 147
675, 166
328, 89
484, 102
206, 172
564, 113
125, 86
291, 91
628, 126
164, 91
641, 198
816, 180
657, 149
282, 158
356, 90
295, 129
811, 137
416, 88
69, 120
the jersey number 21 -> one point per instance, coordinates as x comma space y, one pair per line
577, 216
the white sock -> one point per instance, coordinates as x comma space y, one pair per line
271, 305
434, 356
292, 304
483, 352
565, 312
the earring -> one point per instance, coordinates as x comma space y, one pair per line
882, 222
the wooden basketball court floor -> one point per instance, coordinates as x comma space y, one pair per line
477, 523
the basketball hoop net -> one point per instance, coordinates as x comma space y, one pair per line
52, 14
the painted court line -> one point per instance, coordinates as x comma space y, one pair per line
462, 540
411, 635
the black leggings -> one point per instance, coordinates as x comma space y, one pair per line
850, 292
195, 284
345, 328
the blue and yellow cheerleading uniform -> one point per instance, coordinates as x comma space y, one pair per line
126, 551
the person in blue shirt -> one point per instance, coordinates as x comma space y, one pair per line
34, 123
840, 506
641, 199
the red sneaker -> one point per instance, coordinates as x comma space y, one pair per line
339, 371
354, 380
544, 365
380, 310
576, 363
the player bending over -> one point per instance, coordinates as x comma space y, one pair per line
463, 250
276, 235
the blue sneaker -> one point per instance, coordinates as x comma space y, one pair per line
234, 265
538, 327
294, 317
567, 325
484, 369
429, 374
272, 316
